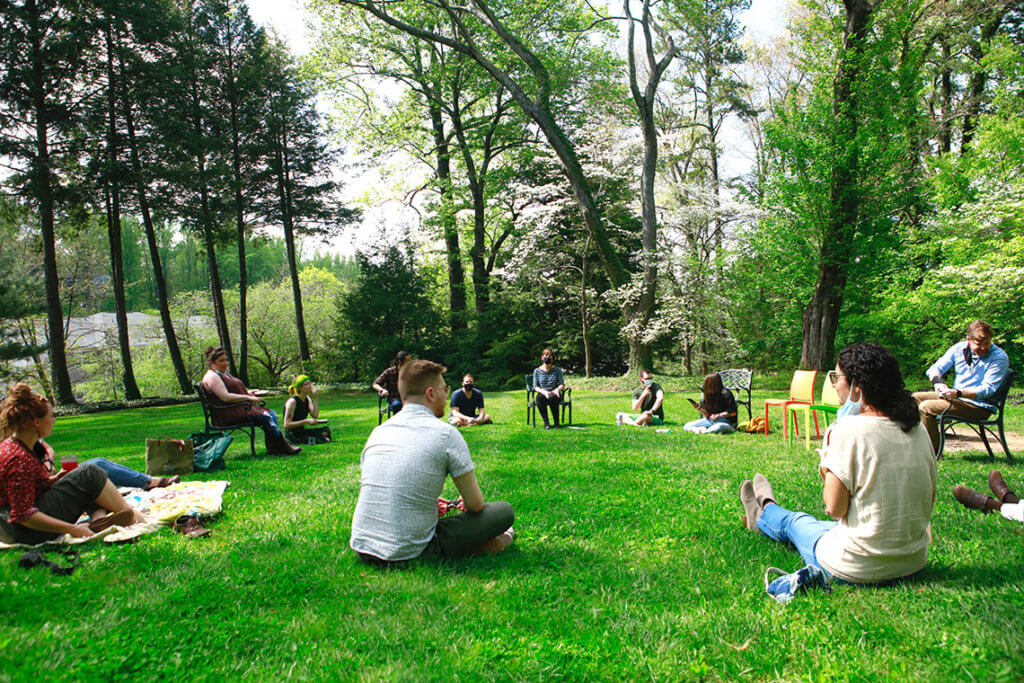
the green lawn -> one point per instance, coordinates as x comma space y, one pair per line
630, 563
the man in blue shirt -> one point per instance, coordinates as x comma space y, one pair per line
468, 405
980, 367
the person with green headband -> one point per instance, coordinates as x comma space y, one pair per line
302, 421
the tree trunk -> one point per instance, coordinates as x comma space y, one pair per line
154, 250
946, 98
131, 388
44, 195
821, 316
456, 275
638, 313
281, 153
236, 161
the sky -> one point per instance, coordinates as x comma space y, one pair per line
287, 19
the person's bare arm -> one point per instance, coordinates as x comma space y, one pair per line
469, 489
836, 496
639, 400
40, 521
314, 405
659, 398
216, 386
289, 411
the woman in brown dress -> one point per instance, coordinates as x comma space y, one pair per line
232, 403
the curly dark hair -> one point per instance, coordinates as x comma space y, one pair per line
877, 374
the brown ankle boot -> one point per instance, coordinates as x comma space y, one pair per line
763, 490
278, 445
970, 498
999, 488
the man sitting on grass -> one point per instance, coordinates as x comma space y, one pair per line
648, 398
468, 405
404, 466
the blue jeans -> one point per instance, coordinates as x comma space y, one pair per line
719, 426
267, 421
119, 475
797, 528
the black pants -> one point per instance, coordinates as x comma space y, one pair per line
543, 402
459, 535
66, 500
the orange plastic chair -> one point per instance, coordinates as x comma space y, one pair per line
829, 404
801, 391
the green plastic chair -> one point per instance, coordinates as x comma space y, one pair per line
829, 406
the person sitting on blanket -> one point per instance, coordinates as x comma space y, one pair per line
1005, 502
404, 466
35, 506
717, 408
119, 475
649, 399
231, 403
302, 421
879, 481
468, 405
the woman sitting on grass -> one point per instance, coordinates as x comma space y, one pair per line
717, 408
880, 476
231, 403
302, 421
36, 506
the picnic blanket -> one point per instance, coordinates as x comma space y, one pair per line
160, 506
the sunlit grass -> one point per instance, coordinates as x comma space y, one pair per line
630, 563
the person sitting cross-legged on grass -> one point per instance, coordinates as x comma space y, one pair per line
38, 506
468, 405
403, 469
717, 408
879, 482
232, 403
302, 421
649, 399
549, 382
1005, 502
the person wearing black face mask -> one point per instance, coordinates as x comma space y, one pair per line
549, 383
467, 405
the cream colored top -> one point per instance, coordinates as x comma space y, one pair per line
891, 477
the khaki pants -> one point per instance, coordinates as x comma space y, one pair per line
931, 405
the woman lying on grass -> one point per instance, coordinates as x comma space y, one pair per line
35, 506
302, 421
880, 477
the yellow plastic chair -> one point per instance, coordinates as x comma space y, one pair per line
801, 390
829, 406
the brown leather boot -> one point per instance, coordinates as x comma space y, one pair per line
278, 445
999, 488
970, 498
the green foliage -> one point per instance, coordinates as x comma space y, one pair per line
387, 311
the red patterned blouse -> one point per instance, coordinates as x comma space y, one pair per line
22, 479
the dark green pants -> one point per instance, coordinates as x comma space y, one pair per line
66, 500
460, 534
